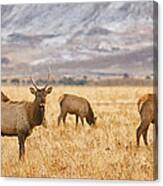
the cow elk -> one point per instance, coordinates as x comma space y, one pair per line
78, 106
20, 117
147, 110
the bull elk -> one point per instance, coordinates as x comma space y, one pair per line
20, 117
146, 108
78, 106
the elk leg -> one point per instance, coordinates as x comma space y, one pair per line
141, 131
82, 120
64, 118
145, 135
59, 119
77, 119
21, 138
138, 133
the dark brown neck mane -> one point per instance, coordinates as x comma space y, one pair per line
38, 113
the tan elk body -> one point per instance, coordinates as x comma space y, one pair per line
78, 106
18, 118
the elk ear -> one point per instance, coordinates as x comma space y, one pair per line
49, 90
32, 90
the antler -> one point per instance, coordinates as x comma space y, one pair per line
47, 81
34, 84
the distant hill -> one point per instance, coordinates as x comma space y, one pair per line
78, 38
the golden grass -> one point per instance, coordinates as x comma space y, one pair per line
106, 151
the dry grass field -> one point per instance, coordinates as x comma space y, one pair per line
105, 151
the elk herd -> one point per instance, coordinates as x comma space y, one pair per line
18, 118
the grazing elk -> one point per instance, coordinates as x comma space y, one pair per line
146, 108
78, 106
20, 117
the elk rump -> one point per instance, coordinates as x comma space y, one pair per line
147, 105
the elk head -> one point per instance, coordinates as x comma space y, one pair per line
40, 93
91, 120
39, 103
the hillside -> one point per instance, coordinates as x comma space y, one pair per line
80, 38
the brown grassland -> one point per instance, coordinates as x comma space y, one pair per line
105, 151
